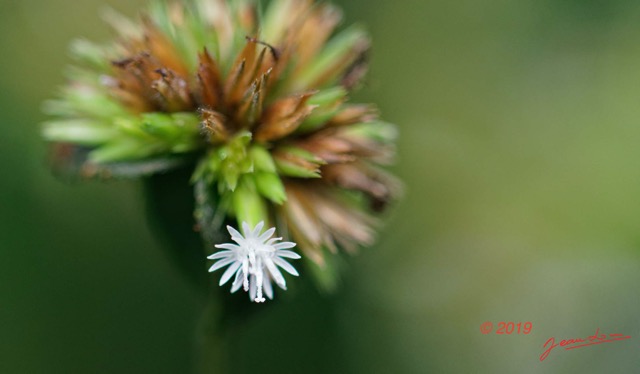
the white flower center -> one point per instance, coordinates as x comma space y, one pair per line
254, 261
256, 252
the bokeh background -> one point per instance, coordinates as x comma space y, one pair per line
520, 149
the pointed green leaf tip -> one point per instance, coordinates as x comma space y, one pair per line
266, 178
341, 50
90, 53
270, 186
262, 160
79, 131
328, 102
146, 136
291, 169
298, 163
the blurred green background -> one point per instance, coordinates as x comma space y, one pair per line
520, 134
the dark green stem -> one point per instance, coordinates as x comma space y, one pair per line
170, 207
213, 345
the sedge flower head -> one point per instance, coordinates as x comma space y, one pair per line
253, 100
254, 260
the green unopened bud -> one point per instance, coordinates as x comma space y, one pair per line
234, 160
262, 160
240, 142
230, 175
270, 186
247, 203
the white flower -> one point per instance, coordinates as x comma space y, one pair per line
253, 261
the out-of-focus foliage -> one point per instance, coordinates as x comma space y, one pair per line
519, 147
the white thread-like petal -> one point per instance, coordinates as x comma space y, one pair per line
275, 273
237, 283
256, 230
284, 245
288, 254
246, 230
220, 264
234, 233
267, 234
221, 254
285, 265
229, 272
272, 240
229, 246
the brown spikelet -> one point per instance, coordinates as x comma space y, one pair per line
250, 109
156, 44
354, 113
175, 94
214, 126
314, 33
210, 79
357, 176
283, 117
321, 220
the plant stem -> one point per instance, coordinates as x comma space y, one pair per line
212, 339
